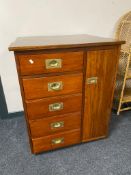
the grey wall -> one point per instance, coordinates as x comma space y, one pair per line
3, 106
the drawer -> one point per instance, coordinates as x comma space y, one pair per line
52, 62
35, 88
46, 107
56, 141
51, 125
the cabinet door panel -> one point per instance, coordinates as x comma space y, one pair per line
98, 96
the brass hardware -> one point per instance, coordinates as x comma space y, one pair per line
31, 61
55, 86
53, 63
58, 141
57, 125
92, 80
56, 106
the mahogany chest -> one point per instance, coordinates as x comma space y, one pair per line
67, 85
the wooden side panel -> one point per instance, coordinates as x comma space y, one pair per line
98, 97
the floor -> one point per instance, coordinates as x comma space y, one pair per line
111, 156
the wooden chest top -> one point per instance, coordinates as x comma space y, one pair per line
54, 42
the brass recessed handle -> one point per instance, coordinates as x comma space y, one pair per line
55, 86
58, 141
53, 63
92, 80
57, 125
56, 106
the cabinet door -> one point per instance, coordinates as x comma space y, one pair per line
102, 65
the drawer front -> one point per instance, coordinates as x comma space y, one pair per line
56, 141
53, 62
51, 125
35, 88
46, 107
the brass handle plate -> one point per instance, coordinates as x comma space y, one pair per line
58, 141
55, 86
53, 63
92, 80
56, 106
57, 125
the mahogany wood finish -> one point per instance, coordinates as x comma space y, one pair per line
98, 97
45, 143
40, 108
71, 61
82, 104
61, 42
35, 88
44, 126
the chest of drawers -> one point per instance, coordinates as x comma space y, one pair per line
67, 85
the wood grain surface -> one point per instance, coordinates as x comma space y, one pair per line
42, 127
45, 143
39, 108
98, 97
36, 88
55, 42
70, 61
86, 107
